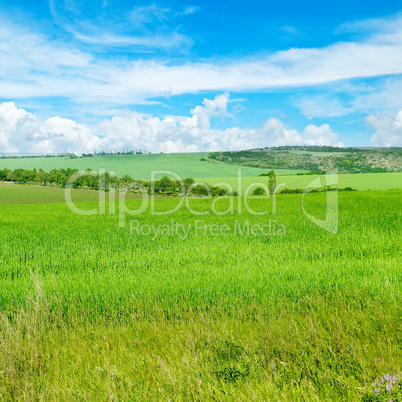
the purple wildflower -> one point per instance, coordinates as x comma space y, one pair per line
391, 384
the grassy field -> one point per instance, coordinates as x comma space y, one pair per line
364, 181
93, 311
190, 165
11, 193
138, 166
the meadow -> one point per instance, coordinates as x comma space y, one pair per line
362, 181
138, 166
11, 193
93, 311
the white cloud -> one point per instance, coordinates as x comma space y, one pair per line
57, 134
215, 108
321, 135
21, 131
388, 130
279, 134
13, 123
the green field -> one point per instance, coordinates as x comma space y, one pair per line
90, 311
138, 166
11, 193
364, 181
190, 165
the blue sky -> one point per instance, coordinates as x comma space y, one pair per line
178, 76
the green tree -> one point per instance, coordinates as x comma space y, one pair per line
188, 183
259, 191
166, 185
272, 182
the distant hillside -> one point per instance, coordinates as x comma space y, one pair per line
316, 159
193, 165
285, 160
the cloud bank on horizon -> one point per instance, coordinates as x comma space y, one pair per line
22, 131
130, 63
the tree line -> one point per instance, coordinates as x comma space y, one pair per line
72, 155
93, 181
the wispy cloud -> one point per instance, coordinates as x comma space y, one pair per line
355, 96
35, 65
192, 9
389, 24
140, 27
313, 106
291, 31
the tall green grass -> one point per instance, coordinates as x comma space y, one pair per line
90, 312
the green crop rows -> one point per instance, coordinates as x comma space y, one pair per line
94, 311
